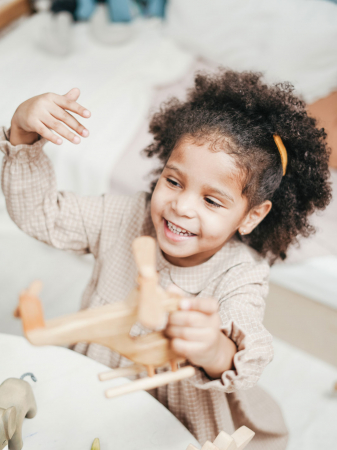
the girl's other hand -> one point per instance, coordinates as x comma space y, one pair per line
195, 330
43, 114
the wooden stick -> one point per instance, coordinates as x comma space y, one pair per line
150, 371
122, 372
151, 313
151, 383
144, 251
174, 365
31, 312
33, 291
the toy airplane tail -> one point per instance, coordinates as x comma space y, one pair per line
30, 308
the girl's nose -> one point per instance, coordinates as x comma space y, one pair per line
184, 205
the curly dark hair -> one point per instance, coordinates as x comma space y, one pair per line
245, 112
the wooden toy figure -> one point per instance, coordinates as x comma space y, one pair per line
237, 441
16, 402
110, 326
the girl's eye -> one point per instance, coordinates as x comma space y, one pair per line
174, 183
212, 203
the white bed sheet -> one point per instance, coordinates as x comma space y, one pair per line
289, 40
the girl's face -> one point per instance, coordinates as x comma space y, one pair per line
197, 204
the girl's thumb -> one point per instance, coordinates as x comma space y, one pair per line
176, 290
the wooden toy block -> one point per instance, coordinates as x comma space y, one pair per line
209, 446
242, 437
110, 326
237, 441
225, 442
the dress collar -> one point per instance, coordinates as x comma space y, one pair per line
195, 279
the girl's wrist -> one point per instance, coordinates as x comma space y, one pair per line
223, 358
18, 136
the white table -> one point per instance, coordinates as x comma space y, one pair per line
72, 409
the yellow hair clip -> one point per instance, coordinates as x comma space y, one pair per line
283, 152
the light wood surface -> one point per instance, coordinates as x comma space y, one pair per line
304, 323
12, 11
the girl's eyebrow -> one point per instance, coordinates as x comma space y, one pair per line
169, 166
220, 192
206, 187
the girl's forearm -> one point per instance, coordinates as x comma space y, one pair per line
223, 359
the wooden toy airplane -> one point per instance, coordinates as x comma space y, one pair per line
110, 325
237, 441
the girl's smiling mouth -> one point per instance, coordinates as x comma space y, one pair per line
176, 233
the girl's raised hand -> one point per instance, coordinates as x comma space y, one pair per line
196, 334
43, 114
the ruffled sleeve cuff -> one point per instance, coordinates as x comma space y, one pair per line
21, 153
253, 355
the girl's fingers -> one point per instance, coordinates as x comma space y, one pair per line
73, 94
188, 349
203, 305
61, 129
188, 319
43, 131
70, 105
69, 120
188, 333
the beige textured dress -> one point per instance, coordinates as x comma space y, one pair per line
236, 276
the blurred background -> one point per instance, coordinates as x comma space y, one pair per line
128, 56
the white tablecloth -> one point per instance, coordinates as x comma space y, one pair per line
72, 408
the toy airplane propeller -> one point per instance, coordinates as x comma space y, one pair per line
110, 326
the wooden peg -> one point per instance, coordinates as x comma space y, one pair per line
191, 447
144, 251
225, 442
150, 371
209, 446
33, 291
151, 313
30, 308
242, 437
122, 372
151, 383
174, 365
16, 312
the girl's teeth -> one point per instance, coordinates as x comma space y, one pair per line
178, 230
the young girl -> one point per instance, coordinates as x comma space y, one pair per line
243, 167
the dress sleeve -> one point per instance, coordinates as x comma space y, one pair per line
242, 308
60, 219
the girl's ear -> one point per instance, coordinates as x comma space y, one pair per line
254, 217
